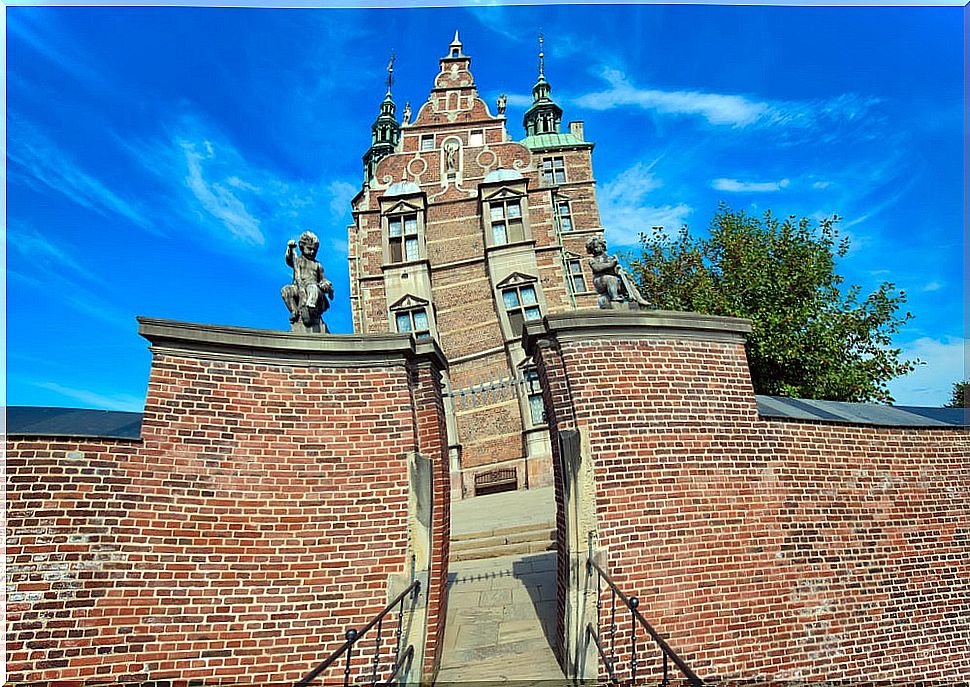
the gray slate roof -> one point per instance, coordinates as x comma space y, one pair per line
73, 422
81, 422
861, 413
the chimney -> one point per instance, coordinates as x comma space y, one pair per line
576, 129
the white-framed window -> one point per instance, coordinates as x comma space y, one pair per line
402, 236
413, 321
427, 142
553, 171
574, 269
505, 219
521, 305
537, 407
476, 138
565, 216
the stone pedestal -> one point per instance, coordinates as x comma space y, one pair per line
317, 328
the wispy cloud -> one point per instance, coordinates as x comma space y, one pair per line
861, 191
559, 42
946, 362
212, 186
736, 186
46, 255
872, 210
341, 193
716, 108
738, 111
70, 294
125, 402
932, 286
216, 198
39, 29
59, 278
500, 20
38, 162
518, 100
626, 208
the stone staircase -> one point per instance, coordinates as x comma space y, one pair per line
504, 541
502, 591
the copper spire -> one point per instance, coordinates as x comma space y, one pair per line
390, 72
541, 57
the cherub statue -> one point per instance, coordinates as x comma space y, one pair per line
306, 297
610, 280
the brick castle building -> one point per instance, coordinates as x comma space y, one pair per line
460, 235
280, 488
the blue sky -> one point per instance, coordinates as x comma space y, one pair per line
158, 159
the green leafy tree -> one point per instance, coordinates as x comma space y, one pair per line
811, 336
961, 395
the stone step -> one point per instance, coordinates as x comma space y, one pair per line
501, 549
501, 531
491, 540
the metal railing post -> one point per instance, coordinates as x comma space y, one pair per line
633, 604
353, 636
637, 620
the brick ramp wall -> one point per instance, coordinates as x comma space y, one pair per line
765, 549
814, 551
433, 442
259, 518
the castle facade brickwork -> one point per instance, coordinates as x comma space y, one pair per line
460, 234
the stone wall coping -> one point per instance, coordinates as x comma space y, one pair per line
594, 323
285, 348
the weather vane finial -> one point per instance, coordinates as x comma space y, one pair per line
390, 72
541, 56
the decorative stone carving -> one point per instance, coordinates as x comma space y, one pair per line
407, 114
615, 288
451, 157
500, 104
306, 297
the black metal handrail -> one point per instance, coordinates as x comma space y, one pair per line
632, 603
401, 659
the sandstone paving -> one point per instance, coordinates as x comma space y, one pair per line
504, 511
502, 609
501, 616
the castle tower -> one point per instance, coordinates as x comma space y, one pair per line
385, 131
461, 234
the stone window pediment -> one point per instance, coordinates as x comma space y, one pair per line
503, 193
409, 301
412, 315
402, 207
520, 300
516, 279
402, 224
505, 215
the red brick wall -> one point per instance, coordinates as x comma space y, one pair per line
258, 519
433, 443
768, 548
